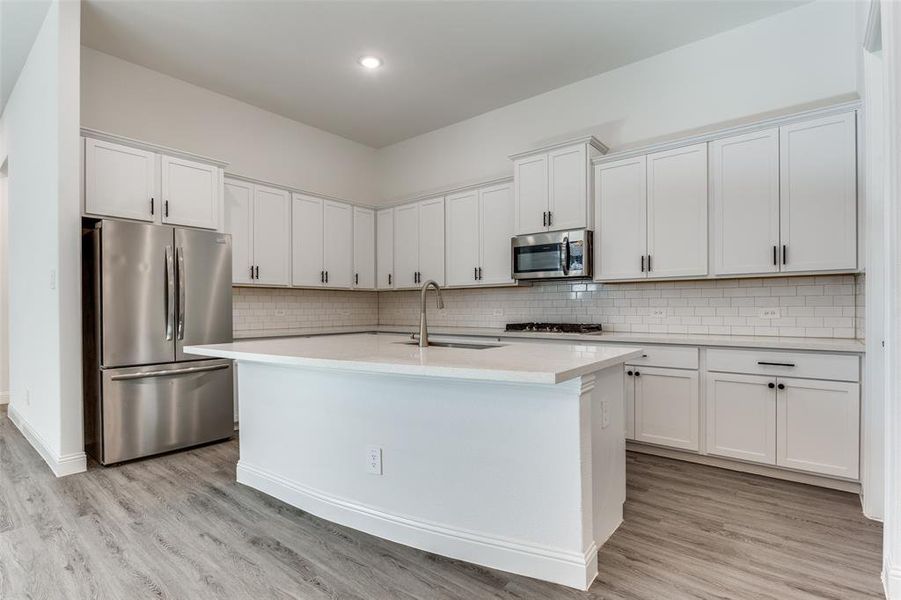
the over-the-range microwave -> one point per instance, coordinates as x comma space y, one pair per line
552, 255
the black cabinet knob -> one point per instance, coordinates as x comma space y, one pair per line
771, 385
629, 373
637, 374
781, 386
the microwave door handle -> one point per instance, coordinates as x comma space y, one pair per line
564, 256
170, 294
180, 260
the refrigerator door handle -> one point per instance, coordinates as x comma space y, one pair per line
180, 259
146, 374
170, 294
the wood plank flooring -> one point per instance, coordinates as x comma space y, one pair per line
180, 527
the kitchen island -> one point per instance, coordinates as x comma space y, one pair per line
508, 455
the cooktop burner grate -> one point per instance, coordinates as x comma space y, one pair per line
555, 327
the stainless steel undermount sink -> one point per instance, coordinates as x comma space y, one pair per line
463, 345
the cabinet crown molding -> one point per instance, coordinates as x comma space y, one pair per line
590, 140
150, 147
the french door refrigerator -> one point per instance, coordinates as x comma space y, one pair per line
149, 291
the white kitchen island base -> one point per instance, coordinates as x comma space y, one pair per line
523, 477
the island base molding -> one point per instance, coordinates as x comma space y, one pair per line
566, 568
525, 478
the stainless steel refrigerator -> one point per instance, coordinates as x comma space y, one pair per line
149, 291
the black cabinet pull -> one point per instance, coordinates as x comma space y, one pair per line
775, 364
321, 276
771, 385
258, 272
775, 252
480, 273
151, 206
637, 374
649, 263
784, 254
781, 386
389, 278
629, 373
544, 219
550, 219
166, 208
356, 279
475, 273
642, 263
326, 276
251, 271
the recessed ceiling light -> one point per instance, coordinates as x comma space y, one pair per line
370, 62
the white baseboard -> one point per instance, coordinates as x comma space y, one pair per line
67, 464
572, 569
891, 579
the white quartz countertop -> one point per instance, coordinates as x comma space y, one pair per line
722, 341
512, 361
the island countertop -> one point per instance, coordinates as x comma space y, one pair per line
392, 354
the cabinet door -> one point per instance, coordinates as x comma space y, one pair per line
677, 212
818, 424
406, 245
364, 248
306, 241
496, 226
384, 251
239, 223
120, 181
531, 193
272, 235
629, 400
741, 417
431, 240
745, 180
621, 229
190, 193
568, 188
666, 407
819, 194
338, 244
463, 238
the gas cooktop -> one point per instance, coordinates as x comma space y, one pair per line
555, 327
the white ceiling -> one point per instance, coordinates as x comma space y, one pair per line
20, 21
445, 61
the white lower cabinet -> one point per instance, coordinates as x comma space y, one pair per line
818, 425
629, 400
741, 417
666, 406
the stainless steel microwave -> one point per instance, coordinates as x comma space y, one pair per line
552, 255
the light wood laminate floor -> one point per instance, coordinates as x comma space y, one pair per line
179, 526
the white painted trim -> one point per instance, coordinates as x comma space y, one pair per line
560, 566
4, 397
67, 464
711, 135
175, 152
872, 38
585, 139
891, 580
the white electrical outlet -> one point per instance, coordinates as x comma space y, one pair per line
374, 460
52, 279
769, 312
658, 312
498, 312
605, 414
280, 312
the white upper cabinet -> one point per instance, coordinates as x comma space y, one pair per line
120, 181
338, 244
677, 212
530, 180
406, 246
364, 248
745, 193
384, 251
621, 229
239, 223
271, 236
431, 240
259, 221
479, 228
190, 192
568, 200
496, 231
463, 238
306, 241
552, 190
818, 186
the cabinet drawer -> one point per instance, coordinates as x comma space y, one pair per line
838, 367
667, 356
